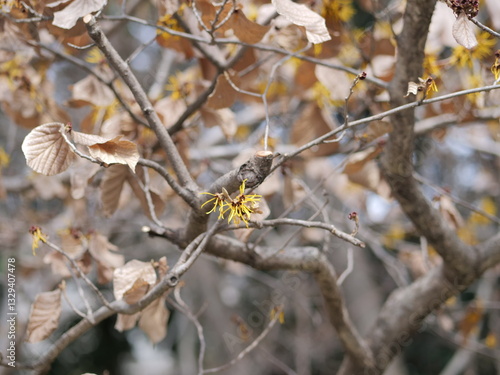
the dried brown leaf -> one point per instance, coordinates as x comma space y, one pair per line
357, 161
224, 118
101, 250
49, 187
116, 151
111, 187
67, 17
136, 291
169, 110
57, 263
224, 94
126, 322
301, 15
44, 316
208, 12
463, 32
370, 177
73, 242
80, 175
125, 277
153, 320
46, 151
162, 267
246, 30
90, 91
311, 124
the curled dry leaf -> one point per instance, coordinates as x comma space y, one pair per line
312, 123
370, 177
73, 242
246, 30
90, 91
126, 277
101, 250
46, 150
357, 161
136, 291
224, 118
111, 151
125, 322
44, 316
111, 187
224, 94
67, 17
162, 267
80, 175
57, 263
169, 110
116, 151
301, 15
153, 320
463, 32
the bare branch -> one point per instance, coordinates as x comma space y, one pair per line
199, 328
249, 348
80, 273
170, 280
306, 224
308, 259
130, 79
484, 27
397, 165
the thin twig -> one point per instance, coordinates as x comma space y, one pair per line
484, 27
81, 64
214, 23
380, 116
139, 49
90, 313
304, 223
197, 324
73, 307
81, 273
142, 99
349, 268
250, 347
359, 77
79, 153
147, 193
262, 47
188, 196
296, 233
457, 200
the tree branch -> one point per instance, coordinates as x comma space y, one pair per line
397, 158
309, 259
142, 99
171, 279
